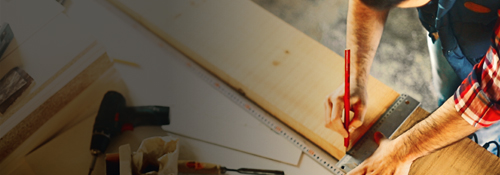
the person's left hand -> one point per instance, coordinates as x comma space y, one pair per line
386, 160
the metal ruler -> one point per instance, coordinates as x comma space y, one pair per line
274, 124
400, 108
390, 121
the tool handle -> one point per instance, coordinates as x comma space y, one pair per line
193, 167
147, 115
106, 122
259, 171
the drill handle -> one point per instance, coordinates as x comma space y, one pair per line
148, 115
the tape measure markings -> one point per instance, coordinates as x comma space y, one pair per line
276, 126
387, 124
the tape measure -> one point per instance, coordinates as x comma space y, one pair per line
300, 142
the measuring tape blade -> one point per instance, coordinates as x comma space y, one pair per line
274, 124
390, 121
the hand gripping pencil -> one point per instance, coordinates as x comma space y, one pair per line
347, 94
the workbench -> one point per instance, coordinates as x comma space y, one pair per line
125, 39
150, 84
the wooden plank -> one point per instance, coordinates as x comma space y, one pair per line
63, 62
12, 87
278, 67
41, 114
463, 157
219, 120
45, 56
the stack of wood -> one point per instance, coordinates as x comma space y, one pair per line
49, 63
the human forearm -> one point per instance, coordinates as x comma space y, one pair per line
441, 128
364, 30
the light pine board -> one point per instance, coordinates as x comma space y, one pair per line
161, 79
275, 65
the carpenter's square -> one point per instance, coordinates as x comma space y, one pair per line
387, 124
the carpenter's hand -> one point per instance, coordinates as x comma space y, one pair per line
334, 106
386, 160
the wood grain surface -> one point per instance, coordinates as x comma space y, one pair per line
63, 61
49, 108
275, 65
462, 157
285, 72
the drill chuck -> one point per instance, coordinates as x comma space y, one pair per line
99, 143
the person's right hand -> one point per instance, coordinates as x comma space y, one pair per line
388, 159
334, 106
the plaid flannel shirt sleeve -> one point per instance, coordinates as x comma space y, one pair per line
477, 98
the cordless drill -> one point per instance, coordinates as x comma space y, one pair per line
115, 117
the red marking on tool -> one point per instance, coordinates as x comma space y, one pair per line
127, 127
194, 165
347, 94
377, 137
217, 84
117, 117
247, 106
311, 152
278, 128
188, 64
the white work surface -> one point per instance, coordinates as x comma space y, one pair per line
204, 109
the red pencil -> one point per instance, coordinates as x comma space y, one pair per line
347, 104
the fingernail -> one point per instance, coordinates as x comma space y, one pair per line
351, 129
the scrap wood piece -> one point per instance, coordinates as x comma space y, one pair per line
12, 87
278, 67
36, 119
